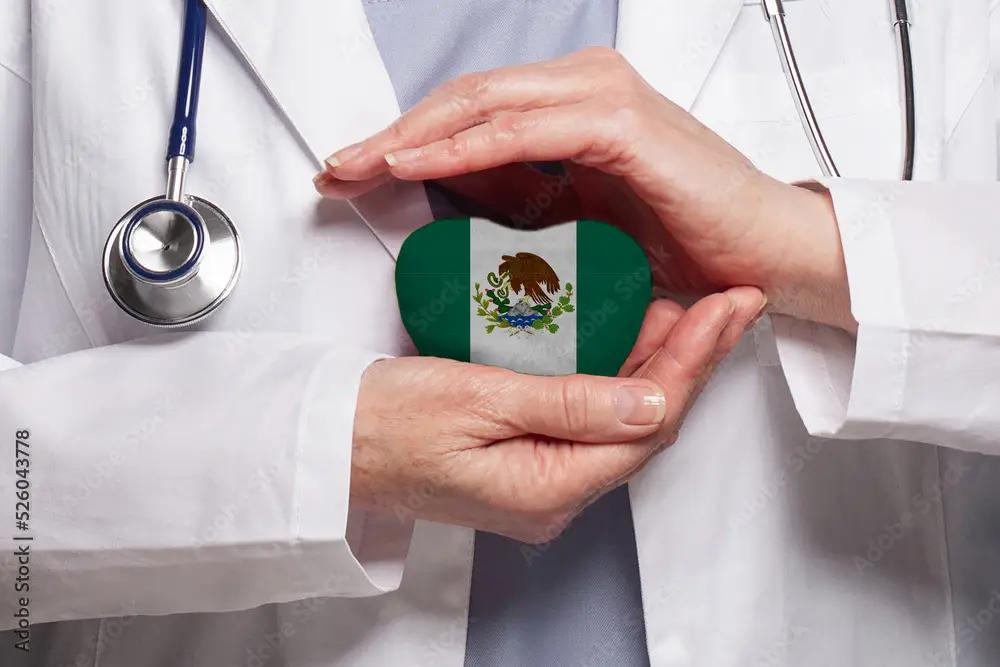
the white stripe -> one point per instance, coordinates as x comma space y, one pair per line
528, 350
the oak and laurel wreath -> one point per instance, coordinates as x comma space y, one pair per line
495, 301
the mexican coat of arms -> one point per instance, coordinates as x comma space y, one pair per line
523, 296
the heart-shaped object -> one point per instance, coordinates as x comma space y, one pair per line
561, 300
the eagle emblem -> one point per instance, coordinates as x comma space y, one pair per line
523, 296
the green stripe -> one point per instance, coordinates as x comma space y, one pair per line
613, 290
433, 288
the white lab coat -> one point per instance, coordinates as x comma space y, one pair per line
796, 521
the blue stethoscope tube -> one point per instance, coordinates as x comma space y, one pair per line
184, 128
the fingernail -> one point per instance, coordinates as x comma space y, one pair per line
405, 155
322, 183
640, 406
343, 155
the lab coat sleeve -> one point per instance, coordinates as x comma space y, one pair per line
180, 473
205, 472
923, 264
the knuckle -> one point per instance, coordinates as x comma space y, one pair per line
492, 390
575, 397
504, 125
624, 120
397, 130
465, 91
454, 149
449, 89
471, 82
617, 135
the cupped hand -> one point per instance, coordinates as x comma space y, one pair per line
521, 455
707, 217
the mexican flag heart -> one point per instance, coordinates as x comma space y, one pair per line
561, 300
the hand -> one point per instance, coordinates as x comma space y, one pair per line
706, 216
521, 455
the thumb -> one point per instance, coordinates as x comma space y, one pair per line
749, 304
689, 351
680, 367
583, 408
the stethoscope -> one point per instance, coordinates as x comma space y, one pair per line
173, 259
774, 13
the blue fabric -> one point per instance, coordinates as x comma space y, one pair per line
575, 601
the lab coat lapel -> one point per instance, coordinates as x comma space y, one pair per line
317, 63
674, 43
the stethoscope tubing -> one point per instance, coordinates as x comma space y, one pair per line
183, 130
774, 13
901, 25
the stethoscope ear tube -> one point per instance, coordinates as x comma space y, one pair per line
774, 13
901, 24
183, 130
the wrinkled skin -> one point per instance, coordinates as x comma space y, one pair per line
521, 455
706, 216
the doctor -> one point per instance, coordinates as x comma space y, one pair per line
830, 498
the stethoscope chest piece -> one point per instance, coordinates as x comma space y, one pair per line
172, 263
